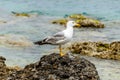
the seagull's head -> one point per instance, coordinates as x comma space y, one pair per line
72, 24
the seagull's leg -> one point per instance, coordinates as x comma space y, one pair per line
61, 53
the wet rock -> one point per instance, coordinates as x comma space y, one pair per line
77, 16
97, 49
82, 20
55, 67
4, 70
20, 14
60, 21
90, 23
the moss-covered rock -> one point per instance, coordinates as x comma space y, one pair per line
60, 21
77, 16
97, 49
82, 20
21, 14
90, 23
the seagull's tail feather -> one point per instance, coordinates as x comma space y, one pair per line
42, 42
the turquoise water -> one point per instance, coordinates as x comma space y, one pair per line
102, 9
17, 35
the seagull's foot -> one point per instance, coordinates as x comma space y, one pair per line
61, 54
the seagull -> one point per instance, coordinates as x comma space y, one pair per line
60, 38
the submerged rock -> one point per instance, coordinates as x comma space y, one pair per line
21, 14
55, 67
82, 20
97, 49
14, 40
1, 21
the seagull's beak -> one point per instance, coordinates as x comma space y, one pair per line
77, 25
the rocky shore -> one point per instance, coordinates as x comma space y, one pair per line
97, 49
52, 67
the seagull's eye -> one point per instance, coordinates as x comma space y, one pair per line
73, 22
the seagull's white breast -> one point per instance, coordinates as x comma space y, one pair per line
68, 33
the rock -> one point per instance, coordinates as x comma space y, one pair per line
2, 67
55, 67
97, 49
21, 14
4, 70
77, 16
61, 21
90, 23
82, 20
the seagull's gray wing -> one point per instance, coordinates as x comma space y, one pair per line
59, 34
54, 39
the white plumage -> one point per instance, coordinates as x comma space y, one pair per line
59, 38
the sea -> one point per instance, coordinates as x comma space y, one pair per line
17, 34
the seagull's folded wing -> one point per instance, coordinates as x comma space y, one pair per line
56, 38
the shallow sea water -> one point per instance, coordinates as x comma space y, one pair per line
20, 29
